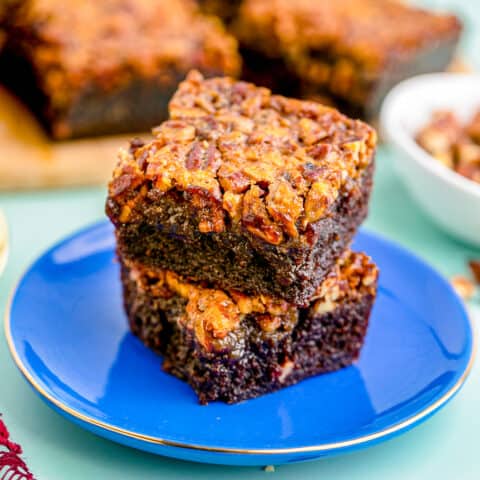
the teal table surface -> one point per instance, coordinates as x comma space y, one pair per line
444, 447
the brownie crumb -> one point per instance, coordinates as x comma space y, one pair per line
453, 143
463, 286
352, 52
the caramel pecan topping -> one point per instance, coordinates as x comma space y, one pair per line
353, 276
212, 314
284, 205
452, 143
260, 162
341, 46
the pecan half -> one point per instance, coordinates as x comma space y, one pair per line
284, 205
255, 217
319, 198
211, 314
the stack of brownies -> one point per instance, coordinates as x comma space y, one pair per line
233, 229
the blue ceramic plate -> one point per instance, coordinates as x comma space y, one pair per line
68, 335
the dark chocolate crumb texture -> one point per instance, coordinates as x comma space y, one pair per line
248, 190
229, 346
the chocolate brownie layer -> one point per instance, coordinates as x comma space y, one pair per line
247, 190
353, 51
231, 347
108, 66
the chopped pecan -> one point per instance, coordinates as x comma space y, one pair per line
227, 140
255, 217
232, 203
284, 205
203, 155
177, 285
120, 184
233, 180
320, 151
212, 157
135, 144
310, 132
313, 171
468, 153
205, 104
194, 157
354, 152
319, 198
253, 103
473, 128
211, 314
178, 131
125, 214
209, 210
162, 170
141, 156
238, 123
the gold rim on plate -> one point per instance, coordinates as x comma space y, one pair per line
243, 451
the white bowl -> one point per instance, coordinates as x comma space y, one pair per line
451, 200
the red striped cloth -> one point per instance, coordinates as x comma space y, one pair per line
12, 467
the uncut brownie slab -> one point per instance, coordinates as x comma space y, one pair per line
230, 347
94, 67
352, 51
244, 189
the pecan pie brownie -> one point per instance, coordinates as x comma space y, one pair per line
352, 51
230, 347
244, 189
92, 67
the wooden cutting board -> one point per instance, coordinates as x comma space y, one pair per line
29, 159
